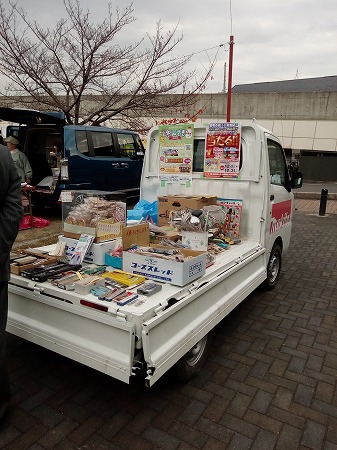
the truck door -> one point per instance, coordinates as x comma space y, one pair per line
280, 196
131, 155
112, 166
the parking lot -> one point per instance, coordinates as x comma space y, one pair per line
270, 381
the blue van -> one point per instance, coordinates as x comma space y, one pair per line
89, 158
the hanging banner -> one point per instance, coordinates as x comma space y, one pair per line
176, 152
222, 155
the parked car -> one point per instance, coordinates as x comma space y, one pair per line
75, 157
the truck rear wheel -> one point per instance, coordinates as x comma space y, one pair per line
273, 268
190, 364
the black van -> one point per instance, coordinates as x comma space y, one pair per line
91, 158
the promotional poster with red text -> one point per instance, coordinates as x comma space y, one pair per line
222, 155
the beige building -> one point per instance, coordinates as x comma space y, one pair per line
302, 112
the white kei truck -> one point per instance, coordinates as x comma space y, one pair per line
172, 328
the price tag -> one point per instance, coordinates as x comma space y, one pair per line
66, 197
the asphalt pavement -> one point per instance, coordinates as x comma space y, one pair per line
269, 382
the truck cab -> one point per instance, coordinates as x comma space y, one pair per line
91, 158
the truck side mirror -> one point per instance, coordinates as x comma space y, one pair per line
297, 180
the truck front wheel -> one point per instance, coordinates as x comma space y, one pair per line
191, 363
273, 268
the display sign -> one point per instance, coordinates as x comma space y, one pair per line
233, 210
176, 152
222, 155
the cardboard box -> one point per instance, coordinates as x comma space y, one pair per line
166, 270
84, 286
169, 203
97, 213
132, 235
95, 254
105, 231
43, 260
169, 233
113, 261
135, 235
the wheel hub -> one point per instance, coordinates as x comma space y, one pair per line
196, 352
274, 268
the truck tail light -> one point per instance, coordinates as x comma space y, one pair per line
94, 305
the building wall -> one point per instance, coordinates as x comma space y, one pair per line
310, 135
304, 121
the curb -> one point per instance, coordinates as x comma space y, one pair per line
313, 195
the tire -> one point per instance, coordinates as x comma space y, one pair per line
190, 364
273, 268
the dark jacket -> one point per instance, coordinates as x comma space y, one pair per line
10, 209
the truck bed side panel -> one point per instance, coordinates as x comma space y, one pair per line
191, 318
90, 337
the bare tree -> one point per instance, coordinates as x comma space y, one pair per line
78, 67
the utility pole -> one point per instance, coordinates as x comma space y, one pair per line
224, 78
230, 71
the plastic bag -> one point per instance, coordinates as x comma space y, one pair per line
38, 222
144, 209
25, 223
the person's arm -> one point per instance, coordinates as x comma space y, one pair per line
10, 210
27, 169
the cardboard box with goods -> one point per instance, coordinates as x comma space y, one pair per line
131, 236
85, 285
103, 232
29, 260
96, 213
167, 233
173, 271
113, 261
94, 255
169, 203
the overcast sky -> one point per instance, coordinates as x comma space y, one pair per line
274, 40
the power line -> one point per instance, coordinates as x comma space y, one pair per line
257, 73
206, 49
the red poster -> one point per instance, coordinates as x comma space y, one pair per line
222, 156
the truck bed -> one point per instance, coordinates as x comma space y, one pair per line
114, 342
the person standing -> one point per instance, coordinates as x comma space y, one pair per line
10, 218
20, 159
